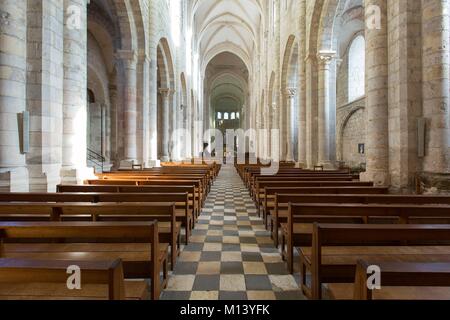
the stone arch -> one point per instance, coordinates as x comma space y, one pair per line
226, 47
165, 97
287, 61
124, 20
165, 65
103, 40
98, 93
351, 119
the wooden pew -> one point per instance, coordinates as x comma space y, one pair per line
281, 201
250, 173
258, 181
287, 174
261, 185
46, 280
400, 281
169, 229
193, 201
141, 175
199, 194
271, 192
298, 230
338, 247
135, 243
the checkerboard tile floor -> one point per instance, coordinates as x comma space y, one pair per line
231, 255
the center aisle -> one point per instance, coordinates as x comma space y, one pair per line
231, 255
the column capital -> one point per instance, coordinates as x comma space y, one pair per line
166, 92
290, 92
326, 56
129, 56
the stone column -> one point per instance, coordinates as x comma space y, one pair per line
311, 110
302, 87
290, 99
165, 94
435, 55
75, 101
45, 91
129, 63
377, 95
275, 149
13, 67
324, 59
142, 100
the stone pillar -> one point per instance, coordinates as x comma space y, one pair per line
165, 94
435, 55
290, 99
45, 91
377, 95
311, 110
75, 101
324, 59
142, 100
268, 115
13, 66
129, 63
302, 87
114, 135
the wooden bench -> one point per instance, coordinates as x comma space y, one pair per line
271, 192
250, 173
135, 243
280, 213
261, 185
205, 184
338, 247
298, 230
197, 184
193, 201
169, 229
183, 212
300, 178
47, 280
399, 281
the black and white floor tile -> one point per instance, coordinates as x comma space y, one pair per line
231, 255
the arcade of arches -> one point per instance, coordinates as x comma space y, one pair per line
347, 82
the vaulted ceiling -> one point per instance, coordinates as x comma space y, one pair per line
227, 78
227, 25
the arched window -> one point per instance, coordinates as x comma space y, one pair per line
233, 116
219, 115
226, 116
357, 69
237, 115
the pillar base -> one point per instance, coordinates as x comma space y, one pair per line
379, 178
14, 180
44, 178
301, 165
153, 164
327, 165
165, 159
76, 175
